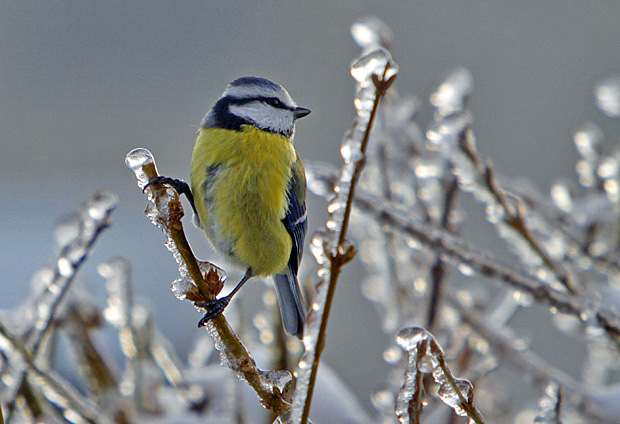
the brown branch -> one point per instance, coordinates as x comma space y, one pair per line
344, 252
231, 348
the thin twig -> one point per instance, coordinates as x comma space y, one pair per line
503, 343
63, 282
65, 398
343, 253
466, 404
438, 271
514, 216
415, 404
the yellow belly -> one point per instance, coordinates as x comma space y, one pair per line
242, 205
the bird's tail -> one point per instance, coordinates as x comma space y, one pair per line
291, 303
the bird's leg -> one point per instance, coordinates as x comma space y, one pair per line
217, 306
179, 185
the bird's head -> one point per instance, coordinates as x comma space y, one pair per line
258, 102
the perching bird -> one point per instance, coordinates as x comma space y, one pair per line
248, 190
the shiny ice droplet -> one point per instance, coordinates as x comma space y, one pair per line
431, 169
318, 245
562, 196
607, 96
608, 168
136, 160
466, 270
180, 288
67, 229
351, 151
101, 203
588, 139
363, 103
427, 364
374, 62
370, 32
446, 132
451, 398
451, 95
275, 378
65, 267
523, 299
408, 338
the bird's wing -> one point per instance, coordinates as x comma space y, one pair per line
295, 220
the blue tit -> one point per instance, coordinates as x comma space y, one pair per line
248, 190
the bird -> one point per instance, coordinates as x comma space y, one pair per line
248, 191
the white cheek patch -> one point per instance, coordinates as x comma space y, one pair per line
264, 116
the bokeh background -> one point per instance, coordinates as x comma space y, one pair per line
83, 83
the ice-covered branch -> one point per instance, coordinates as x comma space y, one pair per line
201, 281
458, 252
76, 234
424, 355
505, 343
375, 72
73, 405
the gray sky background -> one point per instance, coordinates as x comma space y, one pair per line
83, 83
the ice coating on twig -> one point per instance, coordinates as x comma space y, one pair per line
453, 92
199, 282
426, 356
566, 245
550, 405
276, 379
374, 72
76, 235
122, 313
137, 160
73, 406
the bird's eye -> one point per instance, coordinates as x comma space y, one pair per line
272, 101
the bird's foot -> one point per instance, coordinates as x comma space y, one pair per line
214, 308
178, 185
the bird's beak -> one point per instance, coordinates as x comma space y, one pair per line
300, 112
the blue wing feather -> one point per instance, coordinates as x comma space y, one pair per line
287, 286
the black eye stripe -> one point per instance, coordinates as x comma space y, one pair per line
271, 101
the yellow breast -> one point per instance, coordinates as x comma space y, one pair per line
239, 180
